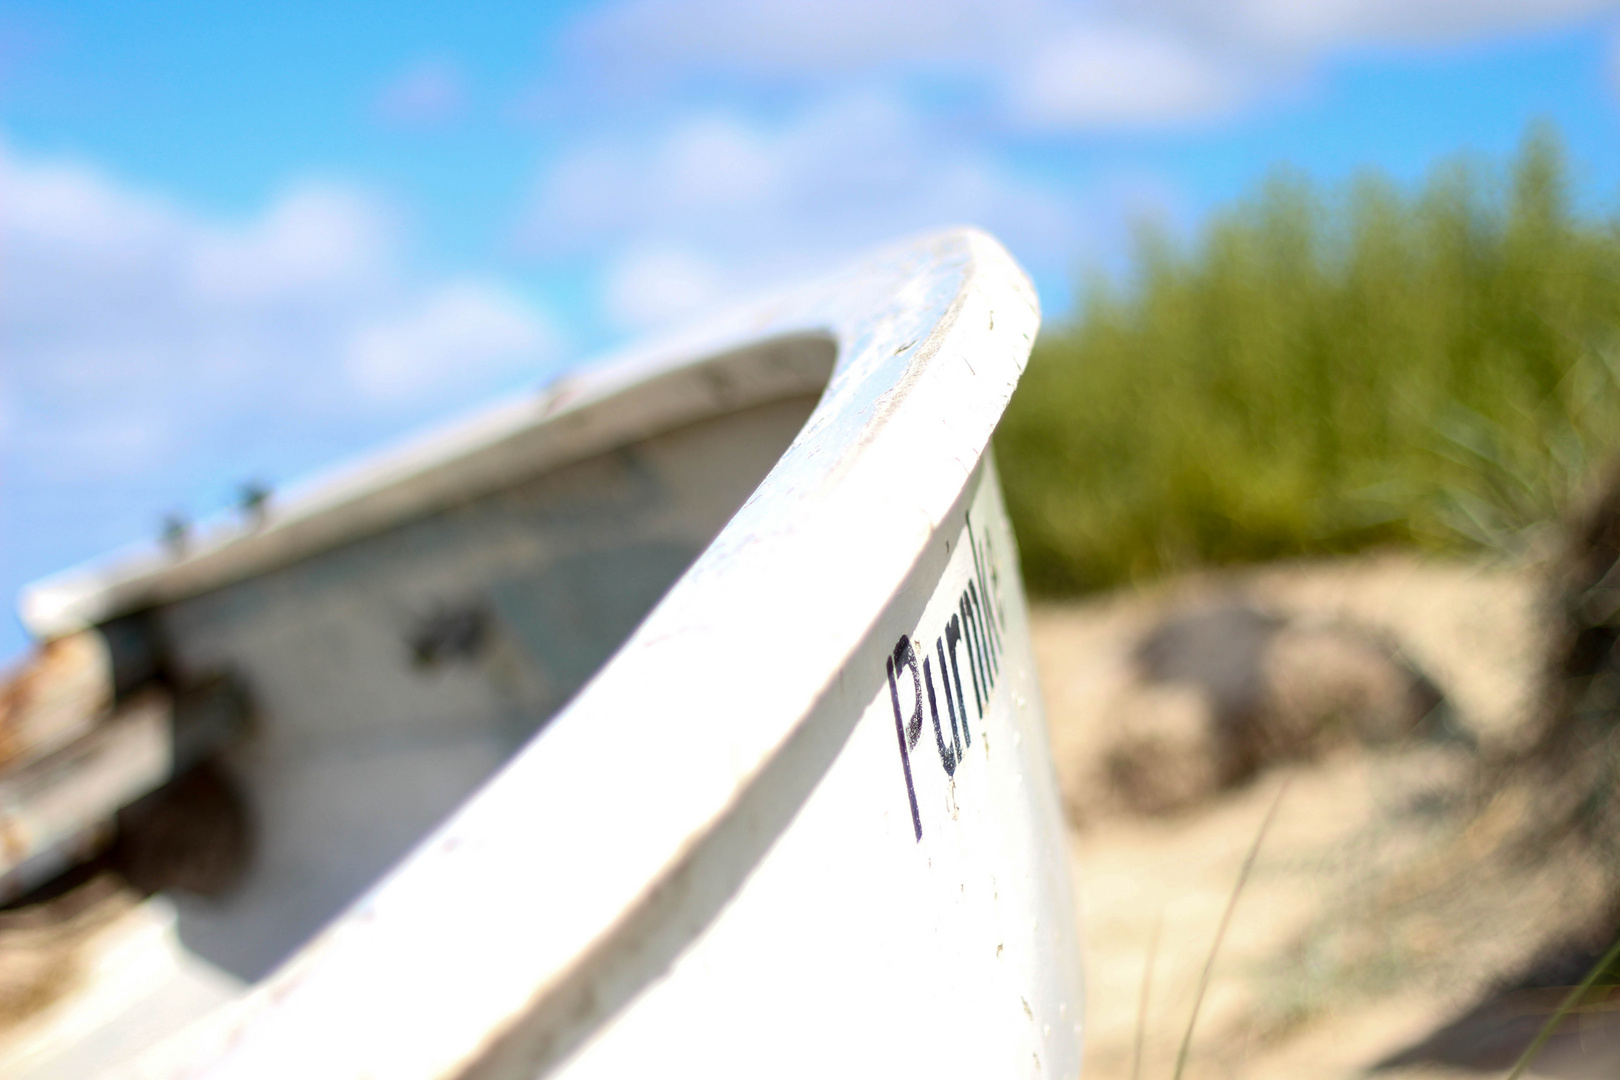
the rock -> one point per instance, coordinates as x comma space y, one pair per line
1167, 753
1332, 684
1223, 691
1219, 652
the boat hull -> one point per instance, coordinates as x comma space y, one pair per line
679, 719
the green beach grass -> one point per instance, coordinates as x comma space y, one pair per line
1325, 371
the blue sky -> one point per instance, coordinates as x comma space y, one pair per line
240, 242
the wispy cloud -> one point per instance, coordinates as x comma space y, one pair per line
1081, 66
459, 332
738, 202
430, 93
649, 286
1101, 77
135, 333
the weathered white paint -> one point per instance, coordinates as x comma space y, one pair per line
854, 948
360, 752
707, 861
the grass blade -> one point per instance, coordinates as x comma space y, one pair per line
1220, 932
1142, 1006
1574, 997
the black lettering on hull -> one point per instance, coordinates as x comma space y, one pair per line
907, 733
975, 627
948, 755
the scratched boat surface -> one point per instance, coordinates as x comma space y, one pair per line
682, 720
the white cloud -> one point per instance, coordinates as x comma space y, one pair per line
651, 286
137, 337
715, 200
801, 39
1082, 65
318, 240
1114, 77
431, 93
462, 329
1327, 24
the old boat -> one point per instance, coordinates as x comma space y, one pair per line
679, 718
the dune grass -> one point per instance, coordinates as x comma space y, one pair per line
1324, 371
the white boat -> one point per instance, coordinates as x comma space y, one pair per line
677, 720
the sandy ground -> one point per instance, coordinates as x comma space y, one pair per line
1386, 900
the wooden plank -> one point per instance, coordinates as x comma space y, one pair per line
53, 698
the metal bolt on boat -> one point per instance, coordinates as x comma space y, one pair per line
679, 719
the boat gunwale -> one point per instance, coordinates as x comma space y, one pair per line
597, 407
